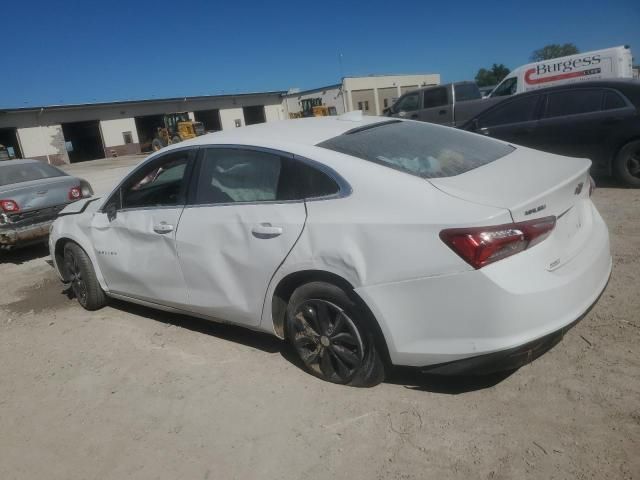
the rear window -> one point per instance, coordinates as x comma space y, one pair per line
26, 172
421, 149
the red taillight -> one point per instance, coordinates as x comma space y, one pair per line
480, 246
9, 206
592, 185
75, 193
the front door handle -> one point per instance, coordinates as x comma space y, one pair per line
442, 112
266, 230
162, 228
414, 116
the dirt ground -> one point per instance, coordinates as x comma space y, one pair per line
128, 392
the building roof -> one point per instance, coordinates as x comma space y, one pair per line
143, 101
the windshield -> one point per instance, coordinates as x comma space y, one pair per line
421, 149
26, 172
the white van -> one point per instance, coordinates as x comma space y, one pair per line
613, 62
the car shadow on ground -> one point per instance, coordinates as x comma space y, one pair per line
407, 377
19, 256
224, 331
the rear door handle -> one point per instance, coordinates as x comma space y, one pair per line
162, 228
266, 230
442, 112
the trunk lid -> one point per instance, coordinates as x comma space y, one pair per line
533, 184
42, 193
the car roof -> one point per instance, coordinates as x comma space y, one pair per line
303, 131
19, 161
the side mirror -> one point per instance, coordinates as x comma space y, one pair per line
112, 211
402, 113
475, 125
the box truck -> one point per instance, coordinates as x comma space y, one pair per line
609, 63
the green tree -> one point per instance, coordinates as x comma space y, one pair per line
493, 76
554, 50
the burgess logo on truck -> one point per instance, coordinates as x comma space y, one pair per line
550, 72
603, 64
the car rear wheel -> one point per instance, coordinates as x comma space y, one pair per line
331, 334
627, 164
80, 273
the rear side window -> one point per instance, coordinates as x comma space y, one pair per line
467, 91
573, 102
435, 98
511, 111
26, 172
231, 175
613, 100
251, 176
421, 149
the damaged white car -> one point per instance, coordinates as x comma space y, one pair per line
366, 242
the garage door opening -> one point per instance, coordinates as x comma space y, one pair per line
146, 127
210, 119
253, 114
9, 139
83, 141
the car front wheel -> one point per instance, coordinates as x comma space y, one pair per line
332, 335
79, 272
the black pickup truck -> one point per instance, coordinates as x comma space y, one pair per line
451, 104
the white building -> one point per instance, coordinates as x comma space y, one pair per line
370, 94
72, 133
62, 134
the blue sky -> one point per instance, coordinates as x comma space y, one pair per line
86, 51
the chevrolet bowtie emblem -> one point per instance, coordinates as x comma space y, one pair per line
578, 188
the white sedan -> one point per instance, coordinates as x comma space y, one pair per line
366, 242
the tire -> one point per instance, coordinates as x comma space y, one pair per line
79, 271
333, 336
156, 144
626, 165
176, 139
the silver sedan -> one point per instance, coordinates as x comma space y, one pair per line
32, 193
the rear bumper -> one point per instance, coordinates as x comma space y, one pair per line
510, 359
512, 309
15, 235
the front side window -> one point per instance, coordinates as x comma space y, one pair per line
508, 87
161, 183
435, 98
408, 103
512, 111
421, 149
573, 102
250, 176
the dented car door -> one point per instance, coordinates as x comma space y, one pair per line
235, 232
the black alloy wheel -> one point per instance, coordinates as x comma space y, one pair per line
327, 340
